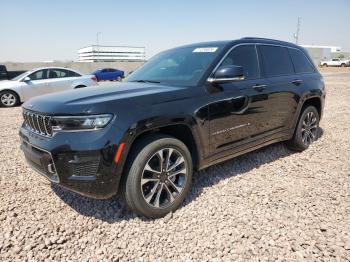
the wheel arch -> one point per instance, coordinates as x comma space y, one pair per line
313, 101
79, 86
13, 91
180, 131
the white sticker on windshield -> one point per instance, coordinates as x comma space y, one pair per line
205, 50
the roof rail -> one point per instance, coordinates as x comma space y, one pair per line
259, 38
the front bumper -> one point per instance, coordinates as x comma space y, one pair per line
84, 166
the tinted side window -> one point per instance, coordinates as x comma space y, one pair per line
276, 60
300, 61
58, 73
72, 74
38, 75
244, 56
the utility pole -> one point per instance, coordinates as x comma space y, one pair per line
98, 47
296, 35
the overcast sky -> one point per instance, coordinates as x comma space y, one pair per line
40, 30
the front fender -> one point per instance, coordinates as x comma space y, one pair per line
155, 124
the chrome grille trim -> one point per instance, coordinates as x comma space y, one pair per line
38, 123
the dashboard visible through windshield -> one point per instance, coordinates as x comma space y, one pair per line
181, 66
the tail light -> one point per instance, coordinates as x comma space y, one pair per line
94, 78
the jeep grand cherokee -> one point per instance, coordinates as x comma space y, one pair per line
185, 109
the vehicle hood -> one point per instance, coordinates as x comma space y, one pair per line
7, 84
105, 99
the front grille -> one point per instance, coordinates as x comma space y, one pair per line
37, 123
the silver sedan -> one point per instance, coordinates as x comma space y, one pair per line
41, 81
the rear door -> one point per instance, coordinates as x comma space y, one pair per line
59, 80
278, 70
306, 77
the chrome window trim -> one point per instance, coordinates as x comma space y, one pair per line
228, 52
307, 58
257, 54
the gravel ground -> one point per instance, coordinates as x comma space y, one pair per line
271, 204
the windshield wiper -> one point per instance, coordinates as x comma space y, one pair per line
146, 81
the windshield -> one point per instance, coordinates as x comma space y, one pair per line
19, 76
183, 66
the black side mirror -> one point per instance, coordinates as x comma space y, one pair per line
225, 74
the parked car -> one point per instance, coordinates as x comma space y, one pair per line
5, 75
41, 81
108, 74
335, 62
192, 107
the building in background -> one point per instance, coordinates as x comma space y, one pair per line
99, 53
319, 53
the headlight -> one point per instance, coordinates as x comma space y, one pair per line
75, 123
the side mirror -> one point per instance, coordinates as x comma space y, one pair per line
225, 74
26, 79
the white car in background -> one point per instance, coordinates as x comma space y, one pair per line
335, 62
41, 81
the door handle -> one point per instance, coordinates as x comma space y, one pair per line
297, 82
259, 88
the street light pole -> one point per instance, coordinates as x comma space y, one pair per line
98, 47
296, 35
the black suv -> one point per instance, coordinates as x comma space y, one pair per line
185, 109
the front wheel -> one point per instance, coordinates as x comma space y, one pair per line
8, 99
306, 131
159, 176
342, 65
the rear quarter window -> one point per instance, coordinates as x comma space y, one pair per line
301, 63
276, 60
73, 74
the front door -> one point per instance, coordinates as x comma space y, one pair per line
239, 112
37, 85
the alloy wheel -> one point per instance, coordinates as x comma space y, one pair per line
8, 99
309, 128
164, 178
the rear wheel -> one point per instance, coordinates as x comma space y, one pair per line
8, 98
159, 176
306, 131
342, 65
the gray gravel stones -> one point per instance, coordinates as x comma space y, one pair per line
271, 204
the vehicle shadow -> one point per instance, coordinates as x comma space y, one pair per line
113, 210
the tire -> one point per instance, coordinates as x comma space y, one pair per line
152, 193
9, 98
325, 65
306, 131
81, 86
118, 79
342, 65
